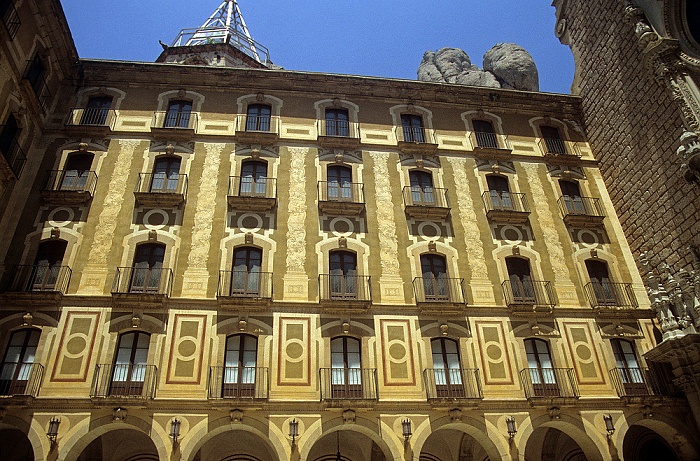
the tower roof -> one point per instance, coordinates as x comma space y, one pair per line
226, 25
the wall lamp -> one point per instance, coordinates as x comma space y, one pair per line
406, 426
294, 430
512, 429
609, 426
52, 432
175, 429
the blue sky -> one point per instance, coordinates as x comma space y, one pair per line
385, 38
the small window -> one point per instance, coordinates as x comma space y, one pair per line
485, 134
253, 178
166, 175
602, 284
520, 280
422, 192
412, 126
48, 265
36, 75
245, 277
17, 364
541, 368
339, 183
258, 117
499, 191
628, 367
240, 366
8, 136
434, 273
446, 368
552, 140
9, 17
342, 268
130, 364
346, 368
96, 111
76, 171
337, 122
147, 269
178, 115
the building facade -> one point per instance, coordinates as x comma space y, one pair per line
205, 262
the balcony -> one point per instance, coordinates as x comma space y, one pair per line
13, 158
90, 121
639, 382
452, 384
416, 140
238, 288
161, 190
171, 125
10, 19
338, 134
124, 381
252, 194
529, 297
38, 284
490, 145
547, 384
611, 299
559, 152
262, 130
239, 383
345, 291
439, 292
143, 286
20, 379
341, 199
426, 203
581, 211
69, 187
343, 384
506, 207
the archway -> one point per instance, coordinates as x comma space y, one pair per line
452, 445
351, 445
235, 446
551, 444
15, 446
122, 444
643, 444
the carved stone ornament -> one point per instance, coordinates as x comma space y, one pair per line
689, 152
242, 325
135, 321
182, 94
349, 417
27, 319
554, 413
236, 416
456, 415
119, 414
444, 329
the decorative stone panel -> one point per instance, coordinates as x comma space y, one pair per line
186, 349
77, 344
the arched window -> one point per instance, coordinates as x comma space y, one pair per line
540, 367
96, 111
603, 287
342, 268
47, 265
245, 276
552, 140
412, 126
166, 174
258, 117
337, 122
485, 134
346, 368
571, 195
422, 192
16, 370
76, 171
628, 370
692, 15
339, 183
434, 273
447, 371
253, 178
240, 366
499, 190
520, 280
147, 269
178, 114
130, 369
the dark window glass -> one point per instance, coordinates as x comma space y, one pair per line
337, 123
499, 190
485, 134
412, 126
178, 114
571, 194
446, 368
552, 140
253, 178
434, 273
96, 111
16, 367
520, 280
628, 367
339, 182
692, 12
35, 74
600, 280
346, 365
47, 264
8, 135
541, 368
166, 174
240, 364
130, 362
76, 171
258, 117
342, 274
422, 192
247, 264
147, 268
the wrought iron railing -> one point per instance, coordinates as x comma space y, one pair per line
505, 201
162, 183
258, 123
635, 382
10, 18
431, 289
348, 383
92, 116
248, 186
71, 181
414, 134
556, 146
452, 383
338, 128
182, 120
345, 287
212, 35
238, 383
139, 280
528, 292
126, 380
549, 382
608, 294
13, 153
580, 206
41, 278
331, 191
20, 378
425, 196
245, 284
489, 140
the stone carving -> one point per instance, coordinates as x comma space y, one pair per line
506, 65
296, 235
204, 213
689, 151
388, 244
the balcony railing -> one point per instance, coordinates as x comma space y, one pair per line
482, 140
41, 278
13, 154
638, 382
138, 280
338, 129
71, 182
92, 117
581, 210
329, 191
345, 287
528, 293
241, 383
124, 380
20, 378
549, 383
161, 189
348, 383
245, 284
253, 49
558, 147
425, 196
257, 129
439, 290
453, 383
10, 18
502, 206
247, 186
172, 120
419, 135
611, 295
